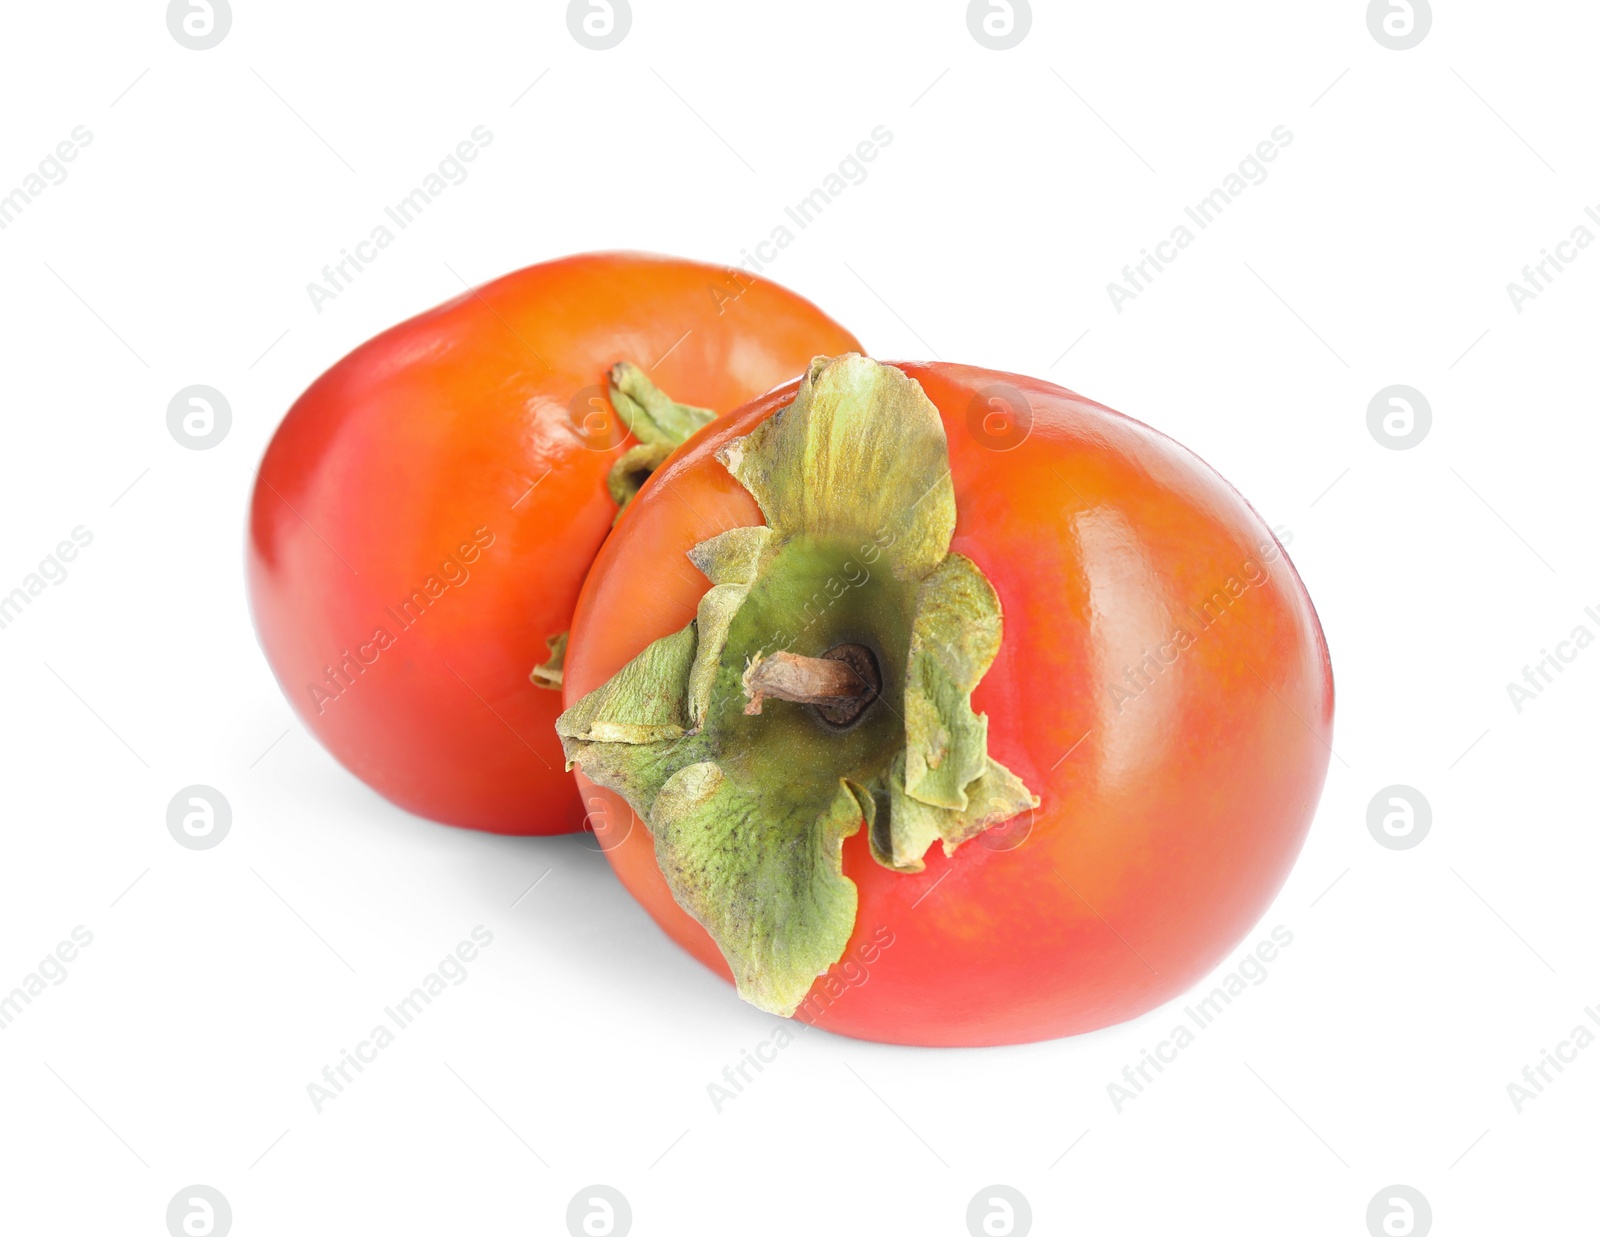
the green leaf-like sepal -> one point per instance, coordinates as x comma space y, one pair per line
632, 470
637, 771
764, 874
860, 454
749, 813
644, 702
954, 637
653, 416
731, 561
901, 840
996, 797
658, 421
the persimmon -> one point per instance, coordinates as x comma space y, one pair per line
936, 705
425, 514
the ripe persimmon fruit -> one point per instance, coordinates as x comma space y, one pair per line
424, 516
936, 705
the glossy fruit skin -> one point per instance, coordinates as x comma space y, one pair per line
445, 456
1168, 820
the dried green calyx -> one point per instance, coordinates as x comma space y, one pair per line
661, 425
659, 422
725, 736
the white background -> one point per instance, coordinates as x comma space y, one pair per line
1018, 183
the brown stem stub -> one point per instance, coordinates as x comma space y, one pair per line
841, 683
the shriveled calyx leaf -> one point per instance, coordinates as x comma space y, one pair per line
642, 703
901, 839
632, 470
549, 674
659, 422
652, 415
763, 872
731, 561
644, 723
750, 807
954, 638
860, 454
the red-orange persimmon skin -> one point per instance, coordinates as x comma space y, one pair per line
462, 456
1177, 776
